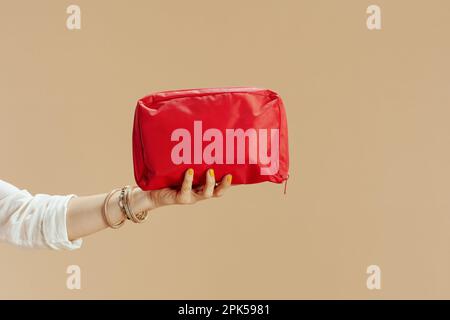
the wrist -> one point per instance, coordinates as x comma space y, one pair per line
135, 205
143, 200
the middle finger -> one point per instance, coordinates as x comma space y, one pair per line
208, 188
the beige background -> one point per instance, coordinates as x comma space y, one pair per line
368, 115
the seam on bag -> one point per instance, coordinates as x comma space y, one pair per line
141, 143
279, 138
268, 93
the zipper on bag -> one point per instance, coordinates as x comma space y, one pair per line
285, 184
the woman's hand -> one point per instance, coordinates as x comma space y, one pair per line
84, 214
188, 195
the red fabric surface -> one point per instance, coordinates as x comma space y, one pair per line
239, 130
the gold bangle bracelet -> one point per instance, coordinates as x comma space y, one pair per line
126, 205
139, 217
122, 199
105, 212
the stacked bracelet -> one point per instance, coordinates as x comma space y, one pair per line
105, 211
125, 198
122, 201
135, 217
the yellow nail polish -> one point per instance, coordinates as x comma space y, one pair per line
211, 172
190, 172
229, 178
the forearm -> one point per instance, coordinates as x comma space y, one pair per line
58, 221
85, 217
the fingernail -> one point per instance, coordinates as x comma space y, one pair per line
229, 178
211, 172
190, 172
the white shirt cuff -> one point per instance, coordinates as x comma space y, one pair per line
54, 224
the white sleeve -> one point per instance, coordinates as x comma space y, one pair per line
37, 221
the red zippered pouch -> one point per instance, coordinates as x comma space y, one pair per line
240, 131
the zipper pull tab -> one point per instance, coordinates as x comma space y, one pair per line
285, 184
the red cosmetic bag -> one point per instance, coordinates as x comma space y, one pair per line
240, 131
